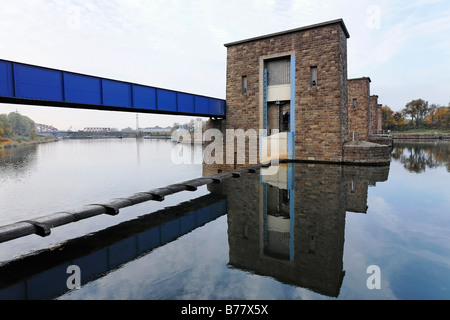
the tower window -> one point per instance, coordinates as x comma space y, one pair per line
244, 84
278, 71
313, 77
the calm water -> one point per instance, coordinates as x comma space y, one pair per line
310, 232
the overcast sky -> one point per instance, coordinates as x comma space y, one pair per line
402, 45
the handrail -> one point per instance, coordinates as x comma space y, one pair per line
42, 226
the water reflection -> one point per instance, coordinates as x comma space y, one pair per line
17, 162
290, 226
419, 156
43, 274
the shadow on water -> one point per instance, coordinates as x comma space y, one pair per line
419, 156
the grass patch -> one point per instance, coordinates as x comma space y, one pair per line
422, 131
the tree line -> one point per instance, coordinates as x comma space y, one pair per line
417, 114
15, 124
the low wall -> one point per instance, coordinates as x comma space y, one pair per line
385, 140
421, 136
362, 152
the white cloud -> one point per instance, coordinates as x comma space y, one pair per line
179, 44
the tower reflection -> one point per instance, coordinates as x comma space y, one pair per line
291, 226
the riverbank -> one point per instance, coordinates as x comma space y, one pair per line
7, 143
421, 136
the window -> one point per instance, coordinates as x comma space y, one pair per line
313, 77
354, 103
278, 71
244, 84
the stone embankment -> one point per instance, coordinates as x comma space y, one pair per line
421, 137
363, 152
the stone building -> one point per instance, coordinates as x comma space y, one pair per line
359, 108
293, 86
376, 120
364, 111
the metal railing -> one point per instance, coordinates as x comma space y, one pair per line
42, 226
382, 133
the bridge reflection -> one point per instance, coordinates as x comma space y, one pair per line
42, 275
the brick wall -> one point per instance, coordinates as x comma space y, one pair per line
374, 116
320, 112
359, 113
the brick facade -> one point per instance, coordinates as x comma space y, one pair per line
321, 111
375, 115
359, 108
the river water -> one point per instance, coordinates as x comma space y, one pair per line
313, 231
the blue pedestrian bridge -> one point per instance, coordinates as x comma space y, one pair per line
33, 85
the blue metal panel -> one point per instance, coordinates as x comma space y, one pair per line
215, 106
291, 188
202, 216
149, 240
122, 251
167, 100
201, 105
144, 97
26, 84
265, 214
188, 223
265, 101
93, 264
186, 102
116, 94
6, 79
38, 83
291, 135
82, 89
170, 231
222, 107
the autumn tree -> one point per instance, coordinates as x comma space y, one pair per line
392, 120
417, 109
429, 119
18, 125
5, 125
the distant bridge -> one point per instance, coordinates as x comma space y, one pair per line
44, 128
33, 85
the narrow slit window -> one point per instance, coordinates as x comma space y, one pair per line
313, 77
354, 103
244, 84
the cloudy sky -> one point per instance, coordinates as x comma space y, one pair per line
402, 45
